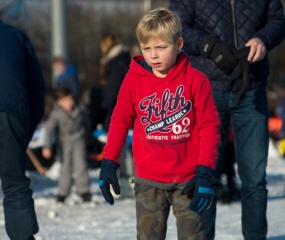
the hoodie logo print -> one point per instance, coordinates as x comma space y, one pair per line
168, 110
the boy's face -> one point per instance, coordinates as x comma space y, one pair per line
161, 56
66, 103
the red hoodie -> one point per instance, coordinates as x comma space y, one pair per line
176, 123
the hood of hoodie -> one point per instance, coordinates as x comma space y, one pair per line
179, 68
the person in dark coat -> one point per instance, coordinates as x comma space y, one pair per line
114, 66
115, 62
22, 97
228, 41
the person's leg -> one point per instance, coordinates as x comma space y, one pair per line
234, 192
250, 126
189, 224
229, 163
223, 101
20, 217
80, 168
152, 210
65, 178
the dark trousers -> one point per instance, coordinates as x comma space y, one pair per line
20, 217
249, 119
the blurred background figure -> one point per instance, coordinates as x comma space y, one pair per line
66, 76
114, 65
71, 121
278, 120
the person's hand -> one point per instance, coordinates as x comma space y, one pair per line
200, 189
107, 177
46, 152
257, 50
221, 53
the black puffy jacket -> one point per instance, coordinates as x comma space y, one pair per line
234, 22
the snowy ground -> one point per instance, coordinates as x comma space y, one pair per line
100, 221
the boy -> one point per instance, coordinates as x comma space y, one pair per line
71, 121
176, 132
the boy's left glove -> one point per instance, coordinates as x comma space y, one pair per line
107, 176
204, 189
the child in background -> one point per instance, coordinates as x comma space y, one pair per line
175, 136
66, 76
70, 120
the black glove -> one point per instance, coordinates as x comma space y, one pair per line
107, 176
204, 189
241, 56
241, 71
221, 53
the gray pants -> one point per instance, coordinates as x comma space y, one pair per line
73, 163
153, 207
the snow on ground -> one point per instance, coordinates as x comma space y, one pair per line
100, 221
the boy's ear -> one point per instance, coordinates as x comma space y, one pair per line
180, 43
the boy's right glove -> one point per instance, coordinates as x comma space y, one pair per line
220, 52
204, 190
107, 176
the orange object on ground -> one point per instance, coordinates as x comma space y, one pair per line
274, 124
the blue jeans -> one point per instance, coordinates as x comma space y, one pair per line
18, 204
249, 121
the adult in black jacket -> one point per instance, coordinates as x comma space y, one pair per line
114, 66
229, 40
22, 94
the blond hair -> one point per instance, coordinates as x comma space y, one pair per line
159, 23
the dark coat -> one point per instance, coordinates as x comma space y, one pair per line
22, 86
116, 65
115, 70
234, 22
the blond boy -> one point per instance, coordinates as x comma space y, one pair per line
176, 132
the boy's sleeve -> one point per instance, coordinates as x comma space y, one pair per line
208, 123
121, 121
